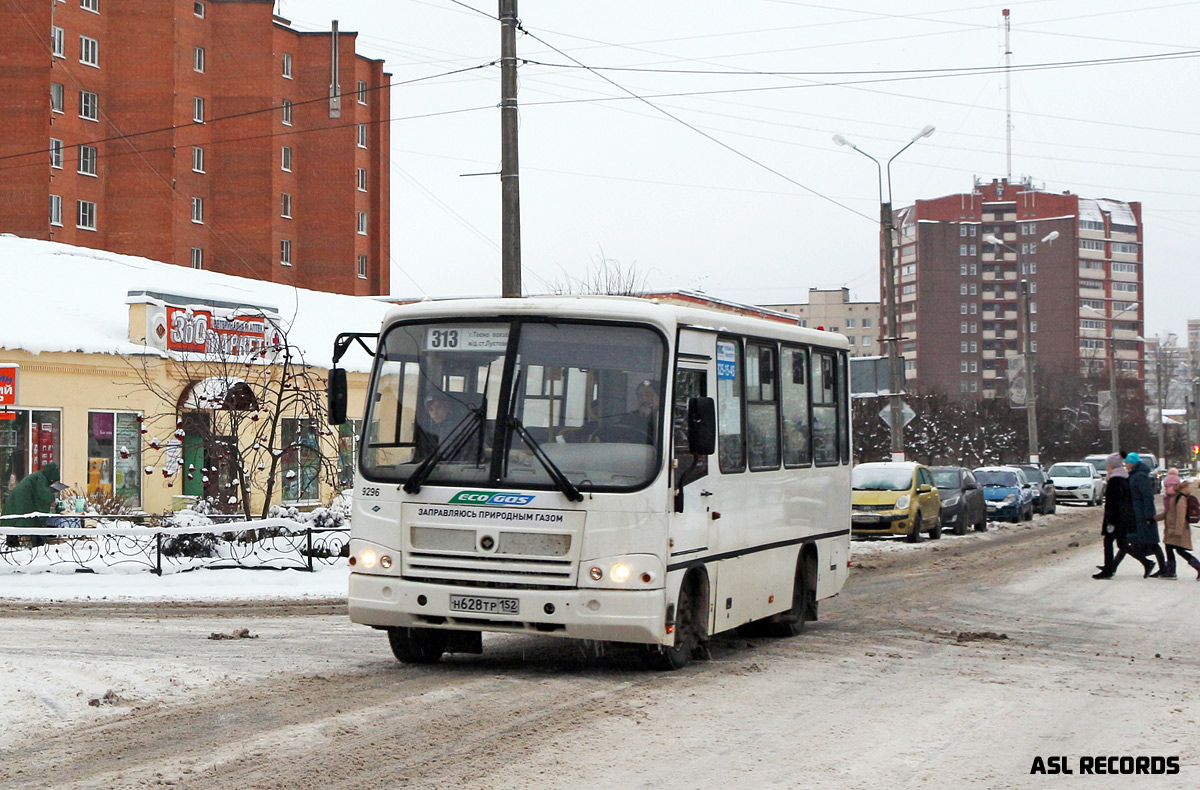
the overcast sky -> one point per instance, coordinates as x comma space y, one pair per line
728, 181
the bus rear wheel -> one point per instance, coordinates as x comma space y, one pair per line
804, 605
689, 631
418, 645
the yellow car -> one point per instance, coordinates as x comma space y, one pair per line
895, 499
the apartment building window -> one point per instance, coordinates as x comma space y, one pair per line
285, 252
962, 230
1090, 323
1121, 306
198, 109
907, 269
974, 366
962, 328
86, 218
1125, 287
1033, 288
849, 323
362, 267
198, 59
197, 258
974, 347
1033, 326
285, 158
87, 160
973, 229
973, 269
286, 113
362, 179
962, 269
56, 210
962, 347
285, 208
198, 9
974, 289
362, 92
962, 249
1032, 267
287, 66
962, 308
89, 106
58, 42
1128, 249
1033, 307
1095, 304
198, 210
1128, 268
90, 5
972, 249
362, 135
57, 95
89, 51
962, 290
911, 288
974, 308
362, 223
197, 159
866, 323
1089, 244
1033, 346
56, 153
974, 328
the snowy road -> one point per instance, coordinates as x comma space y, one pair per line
947, 664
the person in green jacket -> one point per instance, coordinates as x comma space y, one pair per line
37, 493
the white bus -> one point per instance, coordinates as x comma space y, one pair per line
518, 472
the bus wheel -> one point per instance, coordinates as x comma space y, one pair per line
689, 632
418, 645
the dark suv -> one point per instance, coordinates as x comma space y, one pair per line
1043, 488
963, 503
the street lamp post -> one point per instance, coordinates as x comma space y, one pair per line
1030, 378
895, 371
1159, 369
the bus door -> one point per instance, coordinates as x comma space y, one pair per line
692, 521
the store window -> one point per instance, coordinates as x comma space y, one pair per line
301, 460
114, 463
348, 433
27, 443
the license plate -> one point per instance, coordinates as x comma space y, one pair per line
475, 604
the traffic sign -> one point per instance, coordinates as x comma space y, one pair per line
906, 414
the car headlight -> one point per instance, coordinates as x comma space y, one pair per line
627, 572
1010, 499
951, 502
903, 502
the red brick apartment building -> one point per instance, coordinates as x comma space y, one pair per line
959, 296
196, 132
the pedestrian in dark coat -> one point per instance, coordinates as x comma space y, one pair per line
1144, 540
1118, 521
37, 493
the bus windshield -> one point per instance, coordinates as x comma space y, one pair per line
583, 399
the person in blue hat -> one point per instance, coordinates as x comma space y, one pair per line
1143, 541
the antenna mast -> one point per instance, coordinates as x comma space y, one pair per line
1008, 126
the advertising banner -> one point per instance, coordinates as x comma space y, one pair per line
1017, 389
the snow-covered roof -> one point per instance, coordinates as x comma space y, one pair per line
64, 298
1090, 210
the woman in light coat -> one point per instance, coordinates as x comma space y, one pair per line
1177, 535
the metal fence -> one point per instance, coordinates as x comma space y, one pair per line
90, 543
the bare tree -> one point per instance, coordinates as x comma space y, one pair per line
608, 276
250, 413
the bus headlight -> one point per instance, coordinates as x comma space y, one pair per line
628, 572
367, 558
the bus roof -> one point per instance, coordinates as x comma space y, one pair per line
616, 308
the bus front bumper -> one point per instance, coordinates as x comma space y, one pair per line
607, 615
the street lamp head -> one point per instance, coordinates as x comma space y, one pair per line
928, 130
1051, 236
991, 239
839, 140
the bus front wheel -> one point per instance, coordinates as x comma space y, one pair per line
690, 630
418, 645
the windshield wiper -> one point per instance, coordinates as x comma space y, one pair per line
556, 474
448, 447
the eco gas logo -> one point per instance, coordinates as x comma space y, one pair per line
490, 498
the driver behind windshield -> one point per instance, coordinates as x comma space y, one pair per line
438, 417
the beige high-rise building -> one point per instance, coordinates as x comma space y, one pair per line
833, 311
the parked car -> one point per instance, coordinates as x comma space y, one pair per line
963, 504
1099, 461
1008, 492
895, 498
1044, 501
1077, 482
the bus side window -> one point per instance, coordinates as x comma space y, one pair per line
825, 412
688, 384
793, 387
843, 407
762, 408
731, 446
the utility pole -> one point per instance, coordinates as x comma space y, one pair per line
1030, 381
1112, 390
510, 192
895, 361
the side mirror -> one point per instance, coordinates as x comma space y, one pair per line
337, 396
924, 488
702, 426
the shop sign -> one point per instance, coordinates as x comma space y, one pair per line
209, 332
10, 376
